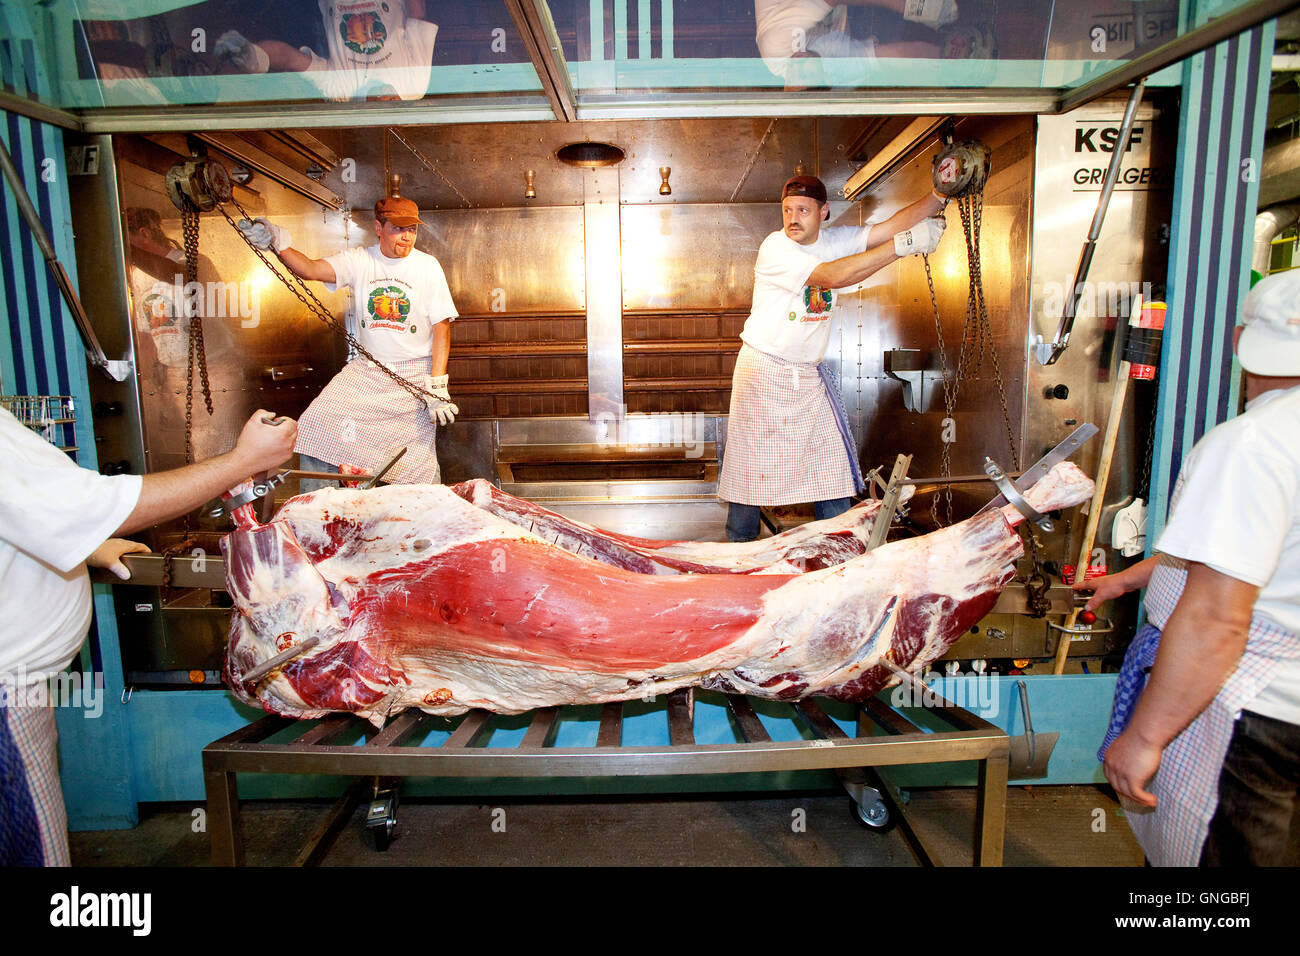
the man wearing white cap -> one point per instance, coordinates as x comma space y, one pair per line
1210, 752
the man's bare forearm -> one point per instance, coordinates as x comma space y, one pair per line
841, 273
441, 347
169, 494
305, 267
1200, 646
264, 443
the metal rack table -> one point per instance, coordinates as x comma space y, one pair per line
884, 737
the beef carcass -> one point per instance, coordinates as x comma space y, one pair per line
807, 547
409, 596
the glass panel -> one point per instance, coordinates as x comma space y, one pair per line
91, 53
88, 53
620, 46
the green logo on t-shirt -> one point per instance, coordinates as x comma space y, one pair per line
791, 316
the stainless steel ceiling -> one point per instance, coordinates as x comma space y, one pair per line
483, 166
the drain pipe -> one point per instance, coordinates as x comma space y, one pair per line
1267, 225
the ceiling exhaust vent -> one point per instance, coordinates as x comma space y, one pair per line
589, 155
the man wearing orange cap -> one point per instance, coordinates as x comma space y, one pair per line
788, 439
404, 313
1208, 751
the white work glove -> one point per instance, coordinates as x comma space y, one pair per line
441, 409
922, 238
264, 235
932, 13
233, 48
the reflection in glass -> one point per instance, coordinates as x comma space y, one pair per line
133, 52
374, 49
127, 52
811, 44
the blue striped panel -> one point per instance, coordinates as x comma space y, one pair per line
40, 351
1216, 188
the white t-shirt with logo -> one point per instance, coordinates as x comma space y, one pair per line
782, 28
789, 318
396, 302
158, 315
1238, 512
374, 50
53, 514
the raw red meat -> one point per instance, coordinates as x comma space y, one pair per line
420, 599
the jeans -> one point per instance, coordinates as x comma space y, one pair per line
308, 463
743, 521
1257, 794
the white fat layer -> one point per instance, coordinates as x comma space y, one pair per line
767, 555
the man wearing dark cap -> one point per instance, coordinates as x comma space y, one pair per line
788, 439
404, 313
1208, 750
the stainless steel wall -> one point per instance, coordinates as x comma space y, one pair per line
263, 349
893, 311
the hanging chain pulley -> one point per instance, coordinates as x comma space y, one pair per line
959, 172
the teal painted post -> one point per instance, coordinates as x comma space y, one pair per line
1216, 188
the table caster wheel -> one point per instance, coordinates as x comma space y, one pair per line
381, 818
875, 816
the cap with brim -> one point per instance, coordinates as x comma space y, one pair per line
809, 186
398, 211
1270, 341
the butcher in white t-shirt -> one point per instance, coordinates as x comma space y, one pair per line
787, 433
377, 49
1210, 753
55, 519
403, 312
790, 29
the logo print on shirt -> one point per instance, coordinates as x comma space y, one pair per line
363, 33
389, 307
817, 303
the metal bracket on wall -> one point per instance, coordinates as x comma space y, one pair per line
912, 368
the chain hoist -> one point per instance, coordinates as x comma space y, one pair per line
202, 184
314, 305
960, 172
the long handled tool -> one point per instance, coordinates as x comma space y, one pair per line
1103, 474
1030, 751
116, 369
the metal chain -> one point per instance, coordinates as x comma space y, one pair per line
1036, 582
196, 353
314, 305
977, 336
1144, 477
951, 387
972, 213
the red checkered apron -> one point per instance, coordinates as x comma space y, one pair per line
783, 444
362, 416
